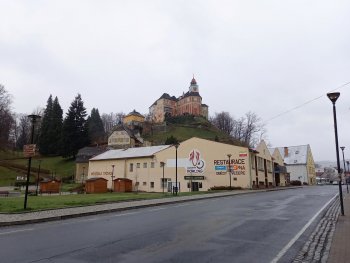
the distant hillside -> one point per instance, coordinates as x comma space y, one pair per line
186, 127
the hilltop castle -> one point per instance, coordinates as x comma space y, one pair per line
189, 103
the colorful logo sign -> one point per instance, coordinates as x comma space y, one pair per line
196, 163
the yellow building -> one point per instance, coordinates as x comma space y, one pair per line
201, 164
134, 118
262, 167
279, 169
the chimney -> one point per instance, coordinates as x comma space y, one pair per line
285, 151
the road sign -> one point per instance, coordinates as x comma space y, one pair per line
29, 150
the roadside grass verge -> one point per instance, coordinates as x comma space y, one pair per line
46, 202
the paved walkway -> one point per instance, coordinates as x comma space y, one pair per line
340, 248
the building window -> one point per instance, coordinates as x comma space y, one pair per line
144, 183
269, 166
152, 164
152, 184
138, 165
131, 167
260, 164
144, 165
164, 183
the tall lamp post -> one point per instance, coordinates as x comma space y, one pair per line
229, 168
348, 162
347, 188
33, 119
162, 164
176, 146
333, 98
38, 178
112, 176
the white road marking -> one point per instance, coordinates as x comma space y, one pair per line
16, 231
157, 209
181, 205
296, 237
126, 214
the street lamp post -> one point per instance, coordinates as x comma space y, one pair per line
176, 146
82, 176
112, 176
229, 168
347, 188
162, 164
33, 118
38, 178
347, 177
333, 98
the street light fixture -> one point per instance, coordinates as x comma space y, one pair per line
229, 168
162, 164
347, 188
38, 178
33, 119
176, 146
112, 176
333, 98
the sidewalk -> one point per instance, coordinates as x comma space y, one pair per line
340, 247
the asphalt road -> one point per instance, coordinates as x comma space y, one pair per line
245, 228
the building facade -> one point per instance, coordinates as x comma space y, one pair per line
188, 103
201, 165
300, 163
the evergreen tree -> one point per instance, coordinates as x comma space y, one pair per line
74, 130
95, 127
56, 127
45, 134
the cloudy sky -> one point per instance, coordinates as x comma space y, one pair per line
267, 57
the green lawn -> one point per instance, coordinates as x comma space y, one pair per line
7, 176
15, 204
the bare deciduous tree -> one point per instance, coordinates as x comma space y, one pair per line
6, 118
249, 129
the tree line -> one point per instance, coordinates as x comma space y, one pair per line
54, 134
58, 135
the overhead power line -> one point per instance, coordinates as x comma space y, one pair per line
305, 103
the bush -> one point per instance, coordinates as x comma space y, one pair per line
305, 183
295, 182
225, 188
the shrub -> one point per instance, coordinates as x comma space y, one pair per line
295, 182
225, 188
305, 183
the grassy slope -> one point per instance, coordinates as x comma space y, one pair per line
200, 128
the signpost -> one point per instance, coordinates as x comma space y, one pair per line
29, 150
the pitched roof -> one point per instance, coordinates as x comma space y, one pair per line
294, 154
84, 154
130, 153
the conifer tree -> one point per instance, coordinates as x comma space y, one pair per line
56, 127
44, 139
74, 130
95, 127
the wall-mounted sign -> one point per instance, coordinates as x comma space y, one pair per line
196, 164
237, 166
194, 177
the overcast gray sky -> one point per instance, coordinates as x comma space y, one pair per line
247, 55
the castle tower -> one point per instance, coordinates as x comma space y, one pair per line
194, 86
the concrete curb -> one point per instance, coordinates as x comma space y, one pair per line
153, 202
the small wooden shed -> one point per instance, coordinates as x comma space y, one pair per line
122, 185
50, 186
96, 185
